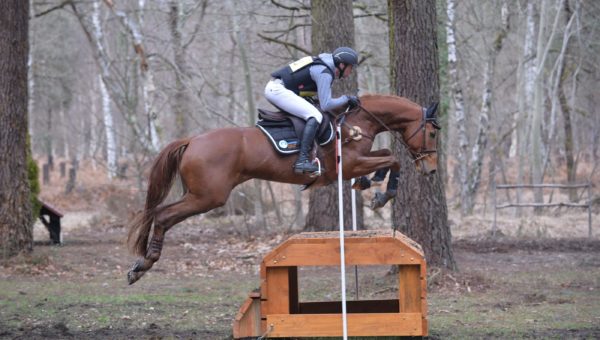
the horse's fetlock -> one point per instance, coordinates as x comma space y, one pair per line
153, 256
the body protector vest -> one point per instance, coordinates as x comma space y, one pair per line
296, 76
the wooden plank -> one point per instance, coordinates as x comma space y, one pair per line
311, 325
277, 299
326, 241
424, 309
327, 254
247, 321
361, 306
50, 208
409, 289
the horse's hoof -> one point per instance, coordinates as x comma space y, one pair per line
378, 201
136, 271
361, 183
381, 198
132, 276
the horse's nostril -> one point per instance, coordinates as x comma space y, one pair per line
431, 172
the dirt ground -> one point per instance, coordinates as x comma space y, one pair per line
539, 280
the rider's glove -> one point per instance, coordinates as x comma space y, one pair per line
353, 101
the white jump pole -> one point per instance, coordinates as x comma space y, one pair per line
341, 220
353, 198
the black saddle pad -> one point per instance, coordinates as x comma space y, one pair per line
284, 130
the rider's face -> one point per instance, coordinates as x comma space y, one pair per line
347, 70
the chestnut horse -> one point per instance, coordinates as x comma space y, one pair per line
212, 164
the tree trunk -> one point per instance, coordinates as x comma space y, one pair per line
459, 107
148, 92
473, 176
332, 27
241, 44
544, 43
16, 223
525, 84
420, 210
181, 98
111, 143
564, 106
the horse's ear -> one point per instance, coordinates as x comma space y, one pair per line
431, 110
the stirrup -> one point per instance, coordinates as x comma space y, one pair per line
318, 172
310, 173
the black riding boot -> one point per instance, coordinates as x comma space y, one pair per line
303, 164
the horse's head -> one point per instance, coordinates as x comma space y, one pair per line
421, 136
418, 126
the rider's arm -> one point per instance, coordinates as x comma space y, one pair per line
323, 79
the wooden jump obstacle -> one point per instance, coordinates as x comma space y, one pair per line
50, 217
275, 311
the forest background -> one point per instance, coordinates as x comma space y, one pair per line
111, 82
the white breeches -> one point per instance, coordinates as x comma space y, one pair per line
290, 102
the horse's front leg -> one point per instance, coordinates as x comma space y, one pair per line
381, 198
363, 182
380, 164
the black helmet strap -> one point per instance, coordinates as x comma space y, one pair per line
342, 69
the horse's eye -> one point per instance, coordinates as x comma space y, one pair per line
432, 134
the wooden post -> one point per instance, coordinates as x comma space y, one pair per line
46, 173
495, 209
409, 289
71, 182
63, 169
589, 190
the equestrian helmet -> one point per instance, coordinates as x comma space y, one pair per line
345, 55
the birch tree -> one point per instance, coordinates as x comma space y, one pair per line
109, 130
458, 100
525, 83
544, 42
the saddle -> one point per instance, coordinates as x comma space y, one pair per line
285, 130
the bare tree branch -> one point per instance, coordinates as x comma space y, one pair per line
285, 43
291, 8
52, 9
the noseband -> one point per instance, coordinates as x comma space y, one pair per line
424, 120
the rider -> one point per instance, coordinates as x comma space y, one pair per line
305, 78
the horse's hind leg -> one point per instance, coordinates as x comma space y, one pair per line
167, 217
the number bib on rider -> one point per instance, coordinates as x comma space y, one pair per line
300, 63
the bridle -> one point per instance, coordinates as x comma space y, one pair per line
423, 152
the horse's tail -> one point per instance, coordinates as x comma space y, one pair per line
161, 179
